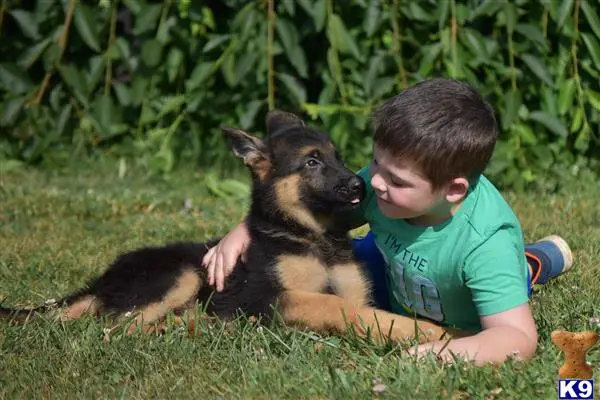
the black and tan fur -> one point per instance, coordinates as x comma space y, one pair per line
300, 259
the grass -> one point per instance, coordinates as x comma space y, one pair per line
57, 229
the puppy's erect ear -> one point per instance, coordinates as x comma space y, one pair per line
249, 148
278, 120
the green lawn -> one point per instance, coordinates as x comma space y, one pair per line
58, 229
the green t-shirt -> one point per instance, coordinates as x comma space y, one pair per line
471, 265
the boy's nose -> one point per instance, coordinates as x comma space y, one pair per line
378, 183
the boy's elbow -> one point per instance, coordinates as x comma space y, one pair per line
529, 345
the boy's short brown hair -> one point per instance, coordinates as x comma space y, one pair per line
442, 126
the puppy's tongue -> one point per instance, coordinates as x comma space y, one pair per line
354, 201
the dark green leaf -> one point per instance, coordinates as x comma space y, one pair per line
105, 117
372, 17
135, 6
591, 16
526, 134
171, 104
201, 72
564, 12
86, 26
538, 68
549, 121
251, 110
95, 73
147, 19
475, 43
244, 17
76, 81
307, 5
298, 60
593, 98
139, 89
63, 118
214, 42
340, 38
228, 69
510, 13
123, 93
290, 6
417, 12
512, 103
14, 79
27, 23
152, 52
245, 64
11, 109
287, 33
487, 8
534, 33
430, 54
566, 95
593, 47
372, 73
443, 13
175, 61
383, 86
320, 14
51, 55
295, 89
42, 9
32, 54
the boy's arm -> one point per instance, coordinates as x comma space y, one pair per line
496, 275
508, 333
222, 258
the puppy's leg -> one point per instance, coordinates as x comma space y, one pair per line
181, 295
88, 304
324, 312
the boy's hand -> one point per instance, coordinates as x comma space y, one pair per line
509, 333
221, 259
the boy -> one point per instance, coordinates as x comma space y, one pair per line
443, 243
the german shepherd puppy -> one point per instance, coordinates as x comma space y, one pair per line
300, 262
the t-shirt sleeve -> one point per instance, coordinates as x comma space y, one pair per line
358, 217
496, 274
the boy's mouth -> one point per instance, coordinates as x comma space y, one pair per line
383, 201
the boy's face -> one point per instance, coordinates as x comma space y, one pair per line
403, 193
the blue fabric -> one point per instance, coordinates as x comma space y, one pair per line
367, 252
551, 258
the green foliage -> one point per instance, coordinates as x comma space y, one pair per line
152, 81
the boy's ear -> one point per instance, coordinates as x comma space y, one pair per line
457, 190
249, 148
278, 120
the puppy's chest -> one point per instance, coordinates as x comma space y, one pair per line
319, 273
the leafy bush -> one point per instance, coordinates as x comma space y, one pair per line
152, 81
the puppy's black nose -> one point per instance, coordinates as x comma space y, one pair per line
355, 184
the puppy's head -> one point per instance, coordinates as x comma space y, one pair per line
299, 167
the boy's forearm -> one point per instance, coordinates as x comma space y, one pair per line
492, 345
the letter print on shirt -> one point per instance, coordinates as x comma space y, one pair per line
424, 296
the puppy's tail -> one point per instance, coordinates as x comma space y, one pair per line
22, 315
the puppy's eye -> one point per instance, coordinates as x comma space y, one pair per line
311, 163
